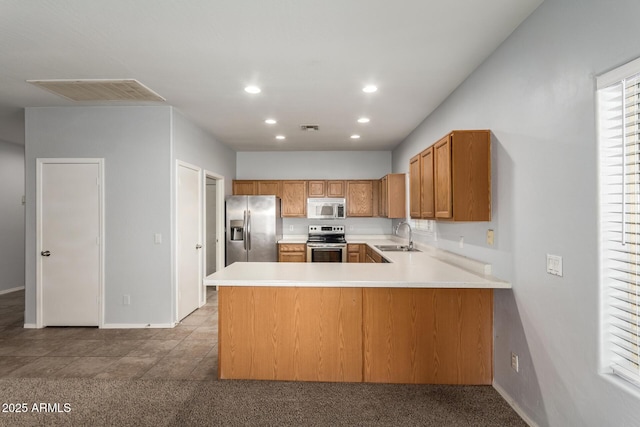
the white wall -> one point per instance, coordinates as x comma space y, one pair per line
313, 164
135, 143
11, 216
192, 145
536, 93
319, 165
140, 146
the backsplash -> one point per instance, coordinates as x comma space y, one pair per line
300, 226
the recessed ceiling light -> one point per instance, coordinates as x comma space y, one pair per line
363, 120
369, 89
270, 122
252, 89
280, 137
355, 136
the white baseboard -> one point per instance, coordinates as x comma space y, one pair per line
514, 405
8, 291
137, 325
30, 326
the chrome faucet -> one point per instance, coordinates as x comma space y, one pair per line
409, 226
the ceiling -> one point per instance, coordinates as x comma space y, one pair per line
310, 58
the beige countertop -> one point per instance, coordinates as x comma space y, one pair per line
430, 268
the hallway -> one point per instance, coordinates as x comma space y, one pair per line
187, 352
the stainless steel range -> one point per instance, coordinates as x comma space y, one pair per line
326, 243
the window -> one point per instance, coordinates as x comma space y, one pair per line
619, 153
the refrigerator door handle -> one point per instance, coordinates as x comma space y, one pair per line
244, 231
249, 230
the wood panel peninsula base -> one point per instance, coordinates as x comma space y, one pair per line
388, 335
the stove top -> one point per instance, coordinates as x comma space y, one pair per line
326, 234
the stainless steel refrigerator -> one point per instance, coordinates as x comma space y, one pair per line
253, 228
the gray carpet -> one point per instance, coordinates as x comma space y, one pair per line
251, 403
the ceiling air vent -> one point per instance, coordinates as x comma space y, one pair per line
309, 128
99, 90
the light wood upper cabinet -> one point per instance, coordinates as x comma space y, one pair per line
427, 195
414, 186
336, 189
294, 199
392, 196
317, 188
244, 188
269, 188
451, 180
442, 178
360, 198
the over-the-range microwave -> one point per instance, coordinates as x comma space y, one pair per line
326, 208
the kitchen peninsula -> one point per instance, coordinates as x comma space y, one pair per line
421, 318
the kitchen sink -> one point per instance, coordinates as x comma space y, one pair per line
396, 248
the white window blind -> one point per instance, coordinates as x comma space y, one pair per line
619, 145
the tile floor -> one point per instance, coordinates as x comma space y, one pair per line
189, 351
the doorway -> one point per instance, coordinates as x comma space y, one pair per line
213, 224
70, 242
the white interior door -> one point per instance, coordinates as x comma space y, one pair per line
69, 243
189, 250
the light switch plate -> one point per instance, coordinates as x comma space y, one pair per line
554, 265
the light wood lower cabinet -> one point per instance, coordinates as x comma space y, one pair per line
356, 252
384, 335
292, 334
433, 336
292, 252
372, 256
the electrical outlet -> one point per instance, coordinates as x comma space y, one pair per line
515, 365
554, 265
490, 237
157, 238
126, 300
291, 228
461, 242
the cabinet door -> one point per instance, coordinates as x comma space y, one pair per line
471, 175
396, 196
294, 199
442, 181
335, 189
414, 186
268, 188
384, 197
244, 188
293, 257
427, 196
295, 252
317, 189
360, 198
353, 253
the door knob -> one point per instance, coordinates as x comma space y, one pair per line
45, 253
198, 246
